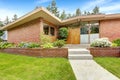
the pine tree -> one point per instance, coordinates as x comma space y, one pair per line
1, 32
1, 24
78, 12
53, 8
49, 8
36, 7
69, 16
88, 13
73, 15
7, 21
96, 10
85, 13
15, 17
63, 15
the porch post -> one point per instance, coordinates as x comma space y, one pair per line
89, 31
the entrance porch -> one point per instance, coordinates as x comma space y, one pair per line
84, 34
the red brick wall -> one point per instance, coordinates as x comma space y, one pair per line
105, 52
110, 29
27, 32
54, 52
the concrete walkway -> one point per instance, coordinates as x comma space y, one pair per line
90, 70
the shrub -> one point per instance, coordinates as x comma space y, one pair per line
44, 39
114, 45
59, 43
63, 33
117, 41
28, 45
102, 42
47, 45
6, 45
1, 39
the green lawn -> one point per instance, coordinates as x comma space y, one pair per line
15, 67
111, 64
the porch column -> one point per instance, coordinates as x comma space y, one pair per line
89, 31
41, 25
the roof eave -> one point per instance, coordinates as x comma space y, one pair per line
31, 16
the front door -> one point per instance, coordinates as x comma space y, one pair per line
74, 36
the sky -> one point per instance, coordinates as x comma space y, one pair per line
21, 7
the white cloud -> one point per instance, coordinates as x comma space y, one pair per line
7, 12
91, 4
42, 1
111, 8
4, 13
106, 6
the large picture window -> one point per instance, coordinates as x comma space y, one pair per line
48, 30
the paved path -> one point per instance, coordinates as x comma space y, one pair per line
90, 70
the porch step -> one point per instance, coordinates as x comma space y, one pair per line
75, 46
78, 51
81, 57
79, 54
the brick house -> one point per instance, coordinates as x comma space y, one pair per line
28, 27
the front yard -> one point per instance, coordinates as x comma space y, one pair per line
15, 67
110, 63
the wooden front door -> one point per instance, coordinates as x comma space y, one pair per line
74, 36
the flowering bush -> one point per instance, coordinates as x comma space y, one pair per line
102, 42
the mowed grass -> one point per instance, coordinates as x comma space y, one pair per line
110, 63
15, 67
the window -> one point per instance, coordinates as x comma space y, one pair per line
49, 30
94, 28
52, 31
46, 30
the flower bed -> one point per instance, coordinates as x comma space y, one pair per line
38, 52
105, 52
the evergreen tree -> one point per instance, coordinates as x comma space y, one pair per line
53, 8
15, 17
36, 7
1, 24
88, 13
7, 21
69, 16
78, 12
49, 8
1, 33
73, 15
63, 15
85, 13
96, 10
